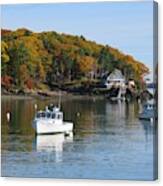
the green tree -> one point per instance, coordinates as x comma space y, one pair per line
105, 60
4, 57
19, 56
40, 72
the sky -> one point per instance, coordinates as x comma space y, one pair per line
127, 26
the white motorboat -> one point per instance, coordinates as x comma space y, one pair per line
149, 111
51, 121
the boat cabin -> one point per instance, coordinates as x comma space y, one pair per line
149, 106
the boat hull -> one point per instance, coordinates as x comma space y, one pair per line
52, 128
147, 115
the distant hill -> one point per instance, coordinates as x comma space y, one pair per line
36, 60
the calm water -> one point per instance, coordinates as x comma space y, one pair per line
109, 142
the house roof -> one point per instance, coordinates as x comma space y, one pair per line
116, 75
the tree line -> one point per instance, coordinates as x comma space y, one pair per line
32, 60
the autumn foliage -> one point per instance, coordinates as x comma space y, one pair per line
6, 82
30, 58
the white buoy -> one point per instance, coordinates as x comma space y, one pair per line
8, 115
35, 106
78, 114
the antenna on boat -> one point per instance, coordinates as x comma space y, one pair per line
59, 102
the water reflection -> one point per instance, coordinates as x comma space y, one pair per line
52, 145
148, 127
118, 108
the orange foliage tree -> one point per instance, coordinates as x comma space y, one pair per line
87, 65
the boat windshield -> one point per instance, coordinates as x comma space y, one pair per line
53, 116
41, 115
48, 115
59, 116
149, 106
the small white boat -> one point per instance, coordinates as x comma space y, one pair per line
149, 111
51, 121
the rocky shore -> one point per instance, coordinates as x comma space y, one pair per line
80, 91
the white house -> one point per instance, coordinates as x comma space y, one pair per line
115, 79
131, 84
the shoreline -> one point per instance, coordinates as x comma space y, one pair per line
48, 94
56, 96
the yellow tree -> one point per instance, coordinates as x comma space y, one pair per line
23, 74
87, 65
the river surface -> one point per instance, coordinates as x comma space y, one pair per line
108, 142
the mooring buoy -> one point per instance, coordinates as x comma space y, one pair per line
8, 115
78, 114
35, 106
